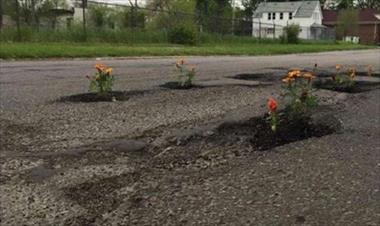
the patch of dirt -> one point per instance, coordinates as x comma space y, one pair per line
176, 85
360, 86
202, 148
257, 132
108, 97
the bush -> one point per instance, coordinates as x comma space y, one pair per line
291, 33
183, 35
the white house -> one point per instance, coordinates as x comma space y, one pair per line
270, 17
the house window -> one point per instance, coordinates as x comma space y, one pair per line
290, 15
269, 16
270, 31
281, 16
274, 16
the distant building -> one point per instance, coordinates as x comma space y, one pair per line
368, 31
270, 17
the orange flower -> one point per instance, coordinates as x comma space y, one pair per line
294, 73
352, 72
180, 62
100, 67
272, 105
108, 71
338, 67
287, 80
308, 75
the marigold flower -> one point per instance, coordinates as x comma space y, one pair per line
338, 67
308, 75
294, 73
180, 62
272, 105
287, 80
352, 72
108, 70
100, 67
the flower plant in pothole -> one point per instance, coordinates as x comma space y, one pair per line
186, 74
298, 99
298, 93
342, 79
102, 81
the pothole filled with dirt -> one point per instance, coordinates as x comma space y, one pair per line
215, 144
261, 77
107, 97
358, 87
177, 85
257, 132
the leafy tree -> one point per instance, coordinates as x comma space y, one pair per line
347, 21
171, 13
345, 4
368, 4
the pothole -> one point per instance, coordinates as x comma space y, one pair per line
358, 87
257, 132
177, 85
107, 97
261, 77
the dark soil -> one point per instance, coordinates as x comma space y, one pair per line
257, 132
329, 74
358, 87
262, 77
108, 97
177, 85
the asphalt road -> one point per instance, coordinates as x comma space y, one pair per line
62, 163
45, 79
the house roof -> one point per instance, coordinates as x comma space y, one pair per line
365, 15
301, 8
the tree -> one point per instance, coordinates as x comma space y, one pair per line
250, 6
345, 4
368, 4
167, 14
347, 22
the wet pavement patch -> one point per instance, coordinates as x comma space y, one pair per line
108, 97
177, 85
358, 87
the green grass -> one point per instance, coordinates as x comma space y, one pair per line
62, 49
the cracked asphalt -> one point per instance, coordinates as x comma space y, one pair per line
136, 162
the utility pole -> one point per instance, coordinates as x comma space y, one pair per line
84, 5
1, 14
233, 17
18, 20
